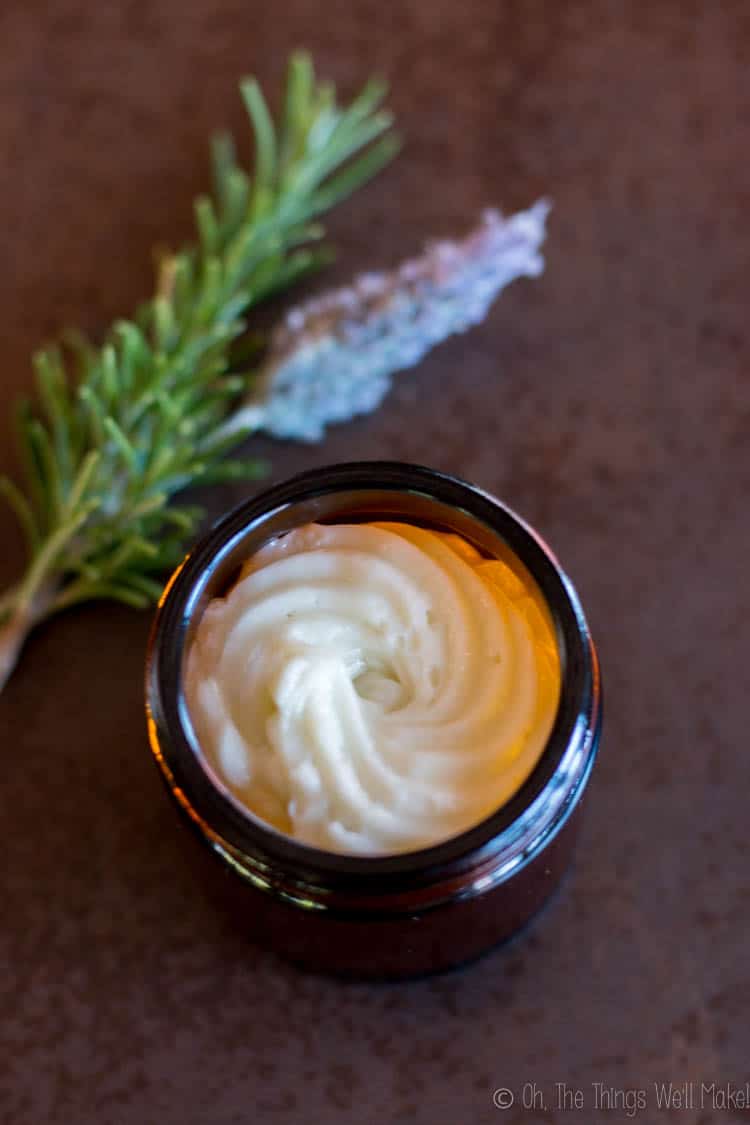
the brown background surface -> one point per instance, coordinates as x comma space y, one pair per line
607, 402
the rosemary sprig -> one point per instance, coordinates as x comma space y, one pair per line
125, 426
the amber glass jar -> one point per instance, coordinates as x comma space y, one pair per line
394, 915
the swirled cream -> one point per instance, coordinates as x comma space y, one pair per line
373, 688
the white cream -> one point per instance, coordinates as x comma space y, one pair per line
373, 688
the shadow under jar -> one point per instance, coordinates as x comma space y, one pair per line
394, 915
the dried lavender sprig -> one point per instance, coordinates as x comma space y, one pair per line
334, 357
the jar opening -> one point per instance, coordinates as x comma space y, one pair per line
344, 493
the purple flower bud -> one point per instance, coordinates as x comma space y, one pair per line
333, 357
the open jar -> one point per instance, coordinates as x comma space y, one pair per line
385, 915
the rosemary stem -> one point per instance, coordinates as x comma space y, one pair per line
19, 615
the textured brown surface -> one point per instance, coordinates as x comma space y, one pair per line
607, 402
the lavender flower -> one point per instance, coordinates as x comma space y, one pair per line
333, 358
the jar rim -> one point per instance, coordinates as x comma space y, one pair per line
521, 821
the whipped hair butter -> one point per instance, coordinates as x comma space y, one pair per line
373, 688
373, 697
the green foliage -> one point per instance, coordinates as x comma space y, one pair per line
119, 429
